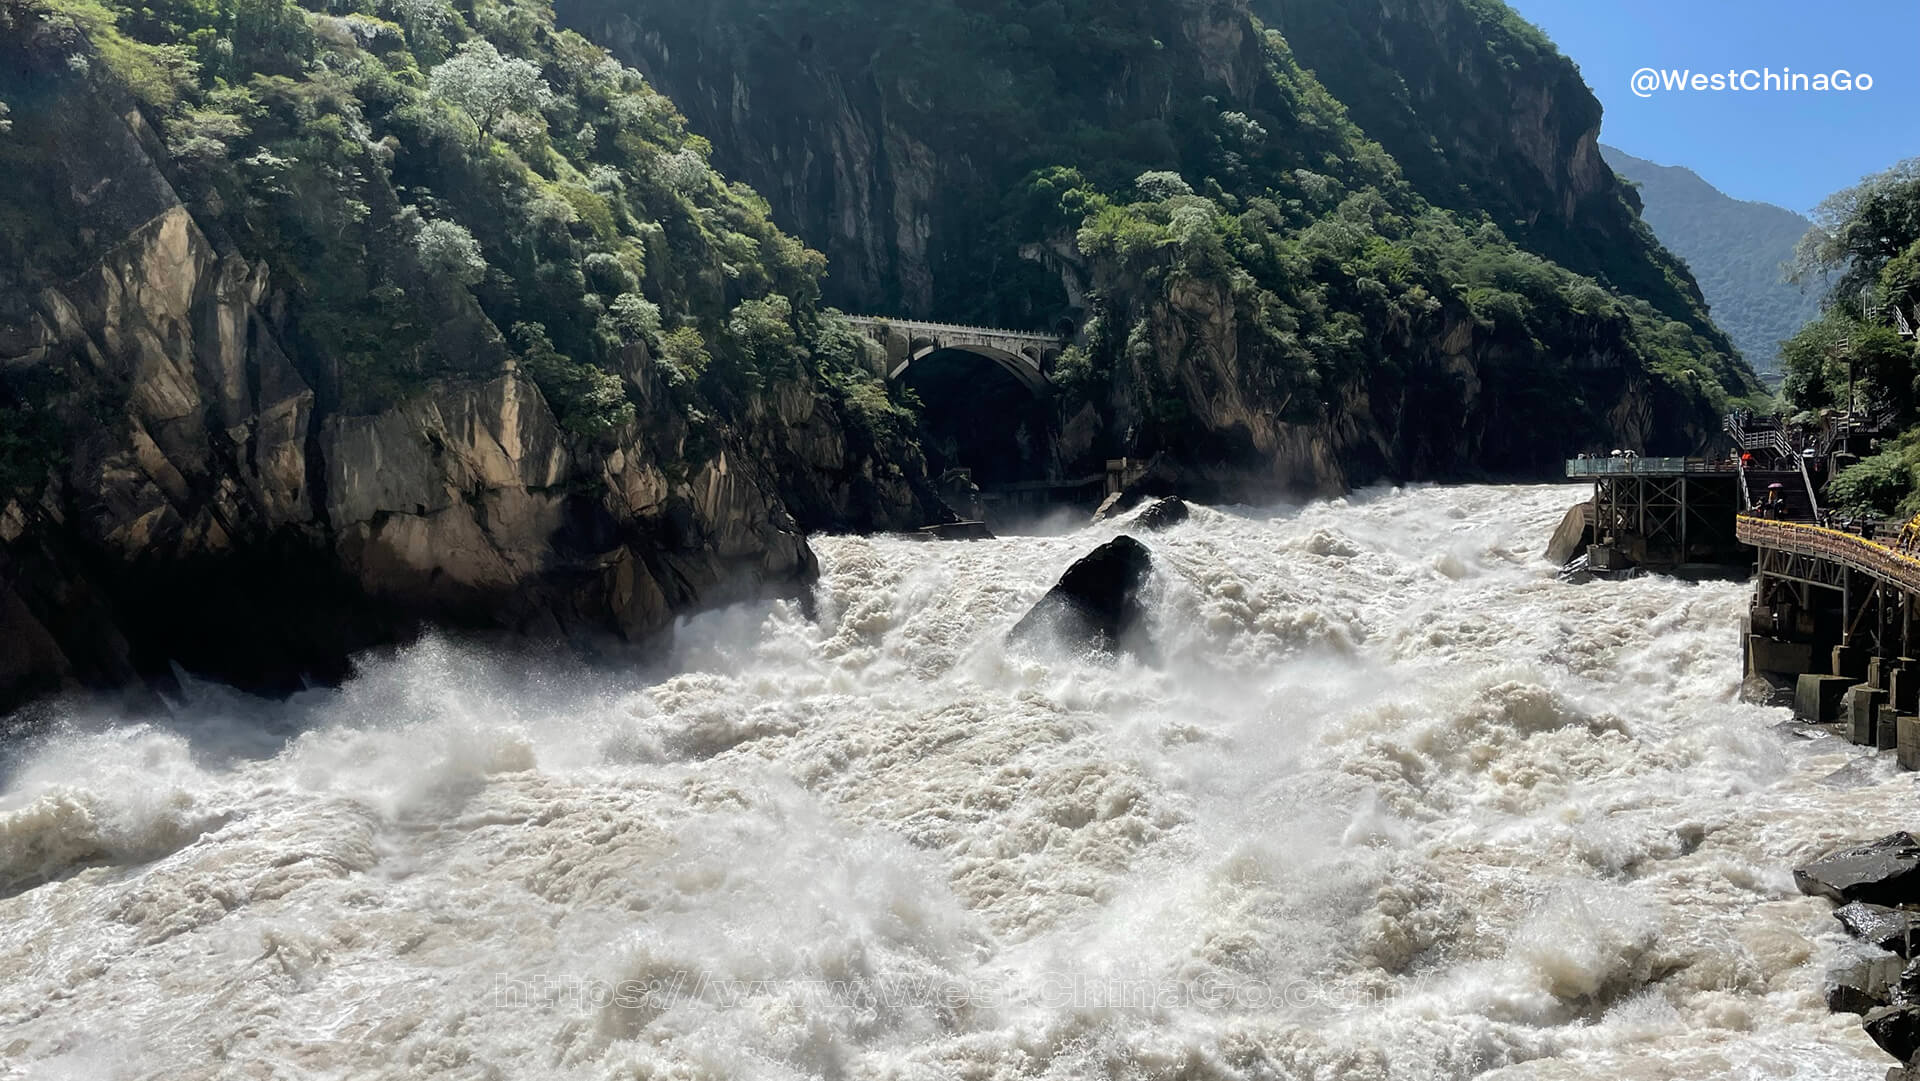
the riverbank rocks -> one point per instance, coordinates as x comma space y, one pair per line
1863, 986
1877, 925
1165, 514
1882, 872
1896, 1029
1575, 532
1885, 989
1096, 604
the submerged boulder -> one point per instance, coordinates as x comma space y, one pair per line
1097, 602
1882, 872
1165, 514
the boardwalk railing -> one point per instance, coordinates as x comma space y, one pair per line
1765, 436
1647, 467
1882, 561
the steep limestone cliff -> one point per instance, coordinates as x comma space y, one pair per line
211, 517
1465, 397
893, 137
207, 497
1486, 116
1289, 307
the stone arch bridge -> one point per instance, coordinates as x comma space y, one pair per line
1026, 356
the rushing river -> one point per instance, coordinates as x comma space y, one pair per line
1390, 802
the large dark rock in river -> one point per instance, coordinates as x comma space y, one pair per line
1097, 602
1896, 1029
1166, 514
1882, 872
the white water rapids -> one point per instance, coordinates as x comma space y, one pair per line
1393, 802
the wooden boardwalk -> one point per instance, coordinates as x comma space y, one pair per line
1808, 540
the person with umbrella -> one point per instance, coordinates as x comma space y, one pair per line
1775, 504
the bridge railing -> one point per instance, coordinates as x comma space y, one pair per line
957, 328
1848, 549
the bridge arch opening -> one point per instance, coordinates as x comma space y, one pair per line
984, 410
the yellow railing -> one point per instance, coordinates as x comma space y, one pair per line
1849, 549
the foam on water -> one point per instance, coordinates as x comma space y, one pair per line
1388, 802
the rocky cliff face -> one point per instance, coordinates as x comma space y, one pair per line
1485, 115
843, 170
873, 143
1457, 404
1510, 128
206, 507
914, 166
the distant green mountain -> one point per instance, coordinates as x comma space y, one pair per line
1735, 250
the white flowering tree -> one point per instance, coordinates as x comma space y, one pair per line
487, 86
448, 250
1161, 184
685, 171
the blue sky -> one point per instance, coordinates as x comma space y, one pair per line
1792, 149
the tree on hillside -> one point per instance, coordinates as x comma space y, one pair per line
448, 250
1857, 232
487, 86
1868, 238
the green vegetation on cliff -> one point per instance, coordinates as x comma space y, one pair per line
442, 189
1866, 241
1346, 287
1489, 120
1343, 276
1147, 153
439, 189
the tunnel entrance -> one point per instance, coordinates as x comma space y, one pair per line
985, 411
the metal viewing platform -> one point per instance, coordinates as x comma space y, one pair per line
1658, 513
1834, 600
1588, 468
1833, 604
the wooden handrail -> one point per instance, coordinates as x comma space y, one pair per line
1849, 549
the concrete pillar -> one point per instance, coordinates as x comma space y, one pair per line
1886, 729
1863, 713
1907, 742
1903, 686
1817, 698
1766, 654
1877, 669
1850, 661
